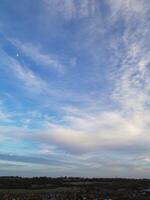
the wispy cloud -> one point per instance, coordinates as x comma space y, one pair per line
30, 80
102, 119
5, 116
89, 133
127, 124
38, 56
28, 159
71, 9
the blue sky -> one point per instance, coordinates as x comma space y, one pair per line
75, 88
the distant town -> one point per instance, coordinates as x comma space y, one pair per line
73, 188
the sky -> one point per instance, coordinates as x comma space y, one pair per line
75, 88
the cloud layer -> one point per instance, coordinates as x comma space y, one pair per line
76, 88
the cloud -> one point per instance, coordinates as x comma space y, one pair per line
5, 115
127, 124
130, 10
26, 78
38, 56
88, 133
118, 129
30, 80
71, 9
28, 159
109, 131
129, 5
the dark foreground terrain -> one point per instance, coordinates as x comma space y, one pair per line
64, 188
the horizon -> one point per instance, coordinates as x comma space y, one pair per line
75, 88
74, 177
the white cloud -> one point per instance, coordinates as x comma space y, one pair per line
89, 133
38, 56
128, 9
30, 80
122, 128
71, 9
5, 116
128, 123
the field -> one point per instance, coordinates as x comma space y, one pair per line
74, 188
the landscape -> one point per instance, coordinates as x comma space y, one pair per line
74, 188
75, 99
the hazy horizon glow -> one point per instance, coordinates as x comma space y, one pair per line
75, 88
